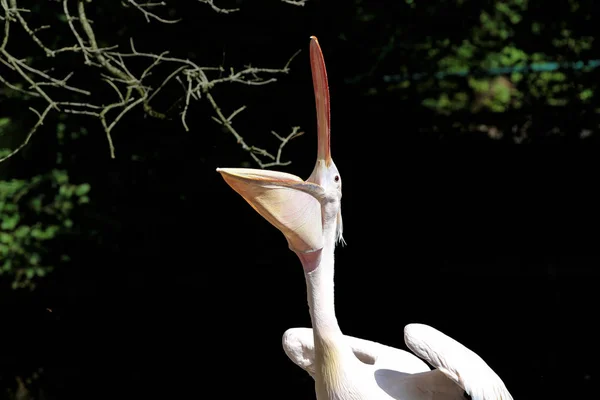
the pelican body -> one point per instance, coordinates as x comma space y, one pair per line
308, 213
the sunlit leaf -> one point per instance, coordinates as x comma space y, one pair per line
22, 231
82, 189
9, 222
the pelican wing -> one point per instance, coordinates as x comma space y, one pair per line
430, 385
456, 362
285, 200
298, 344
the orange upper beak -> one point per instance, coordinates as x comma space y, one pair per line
321, 87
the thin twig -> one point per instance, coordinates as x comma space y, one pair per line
188, 92
148, 15
39, 123
217, 9
78, 37
284, 140
15, 10
300, 3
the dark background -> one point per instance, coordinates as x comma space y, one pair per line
184, 291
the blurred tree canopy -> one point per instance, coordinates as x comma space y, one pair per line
504, 58
70, 81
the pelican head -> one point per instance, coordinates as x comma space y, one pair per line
304, 211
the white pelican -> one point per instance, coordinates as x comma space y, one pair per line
308, 213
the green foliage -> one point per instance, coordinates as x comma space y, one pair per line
4, 121
495, 56
31, 222
486, 49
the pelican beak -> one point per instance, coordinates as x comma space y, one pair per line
289, 203
285, 200
321, 88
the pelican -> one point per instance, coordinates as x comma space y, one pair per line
308, 213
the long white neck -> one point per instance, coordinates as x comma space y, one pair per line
330, 345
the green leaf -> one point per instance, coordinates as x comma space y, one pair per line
60, 130
22, 231
6, 238
34, 259
37, 233
51, 231
66, 190
36, 204
61, 177
586, 94
66, 206
82, 189
48, 232
10, 222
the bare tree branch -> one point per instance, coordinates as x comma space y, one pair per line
130, 87
39, 122
300, 3
230, 10
217, 9
149, 15
284, 140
